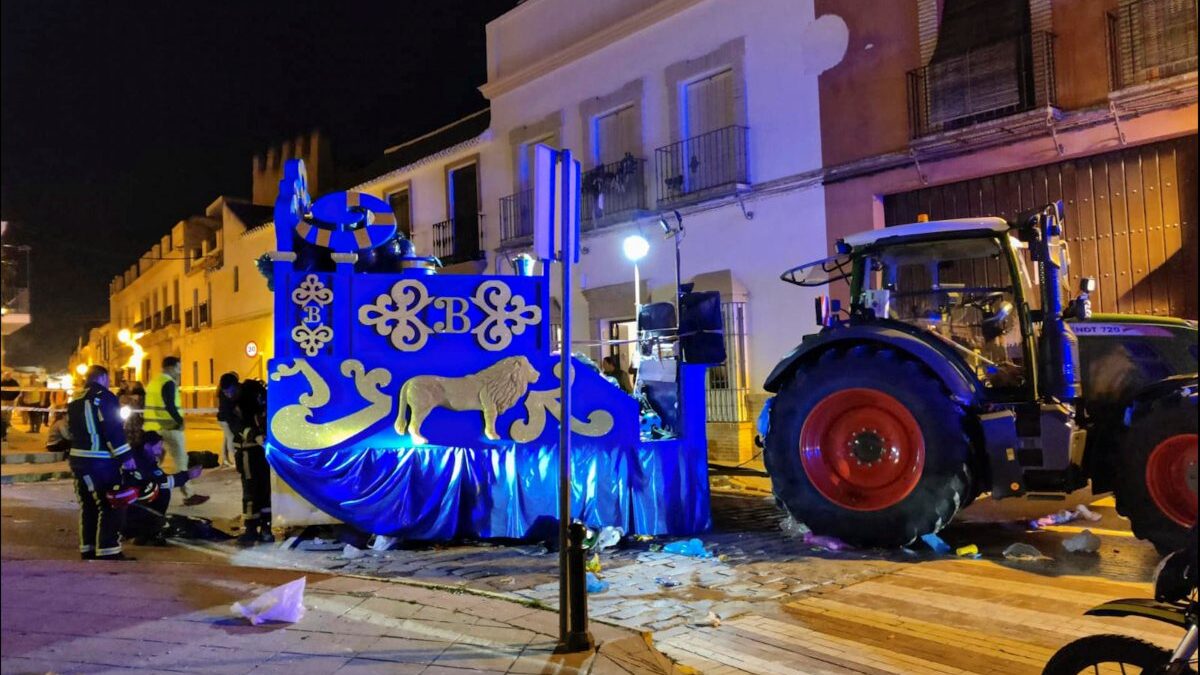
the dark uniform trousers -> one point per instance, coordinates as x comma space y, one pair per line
255, 471
100, 524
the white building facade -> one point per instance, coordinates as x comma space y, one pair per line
705, 107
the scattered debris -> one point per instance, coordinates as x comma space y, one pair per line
595, 585
382, 542
532, 550
282, 603
350, 552
1065, 516
318, 544
1084, 542
666, 582
968, 551
693, 548
828, 543
643, 537
609, 536
711, 619
593, 563
1022, 552
936, 543
793, 528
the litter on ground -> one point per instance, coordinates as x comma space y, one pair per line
1024, 553
282, 603
936, 543
1084, 542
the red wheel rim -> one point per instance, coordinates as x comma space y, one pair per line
862, 449
1171, 478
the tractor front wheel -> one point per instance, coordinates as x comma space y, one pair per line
866, 446
1156, 481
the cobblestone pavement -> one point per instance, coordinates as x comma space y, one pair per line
762, 584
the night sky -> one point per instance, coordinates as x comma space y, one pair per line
122, 118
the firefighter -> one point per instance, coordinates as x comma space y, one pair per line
249, 427
98, 451
147, 519
164, 414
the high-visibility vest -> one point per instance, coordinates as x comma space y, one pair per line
156, 417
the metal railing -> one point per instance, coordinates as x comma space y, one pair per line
450, 246
1003, 78
1151, 40
610, 190
516, 217
713, 160
156, 321
14, 285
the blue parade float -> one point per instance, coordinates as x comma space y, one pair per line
425, 406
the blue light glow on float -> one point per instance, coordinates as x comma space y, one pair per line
425, 406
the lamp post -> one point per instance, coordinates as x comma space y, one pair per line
636, 247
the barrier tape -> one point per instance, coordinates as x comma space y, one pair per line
208, 387
138, 411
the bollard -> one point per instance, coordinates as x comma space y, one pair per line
578, 638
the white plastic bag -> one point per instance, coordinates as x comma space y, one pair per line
282, 603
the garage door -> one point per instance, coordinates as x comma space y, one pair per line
1131, 219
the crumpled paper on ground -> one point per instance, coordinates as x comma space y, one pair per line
282, 603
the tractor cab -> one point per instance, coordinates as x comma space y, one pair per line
965, 284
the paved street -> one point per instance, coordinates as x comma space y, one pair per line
782, 606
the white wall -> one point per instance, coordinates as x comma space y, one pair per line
782, 113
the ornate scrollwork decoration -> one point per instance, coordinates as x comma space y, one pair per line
312, 340
312, 290
395, 315
291, 425
506, 315
538, 403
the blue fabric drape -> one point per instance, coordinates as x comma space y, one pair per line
502, 491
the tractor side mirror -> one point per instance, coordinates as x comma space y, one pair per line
1081, 306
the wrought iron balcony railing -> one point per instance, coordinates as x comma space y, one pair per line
709, 161
1003, 78
612, 190
455, 241
516, 217
1151, 40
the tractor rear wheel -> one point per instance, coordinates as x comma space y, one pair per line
867, 446
1155, 484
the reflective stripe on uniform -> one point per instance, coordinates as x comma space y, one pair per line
93, 454
91, 425
109, 551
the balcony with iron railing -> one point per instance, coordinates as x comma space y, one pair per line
516, 218
612, 193
989, 82
453, 243
14, 288
702, 166
1151, 40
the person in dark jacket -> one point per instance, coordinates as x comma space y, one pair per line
147, 517
98, 452
250, 428
8, 399
226, 409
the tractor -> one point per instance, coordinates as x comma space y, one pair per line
956, 372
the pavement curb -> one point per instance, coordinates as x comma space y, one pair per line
34, 477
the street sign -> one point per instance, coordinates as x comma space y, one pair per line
251, 349
555, 178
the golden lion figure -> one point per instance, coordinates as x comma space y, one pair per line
493, 391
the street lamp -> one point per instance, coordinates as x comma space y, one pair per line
636, 247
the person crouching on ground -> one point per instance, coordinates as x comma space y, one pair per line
249, 426
146, 519
164, 414
58, 438
98, 453
227, 392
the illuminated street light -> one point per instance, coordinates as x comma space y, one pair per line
130, 339
636, 247
81, 369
